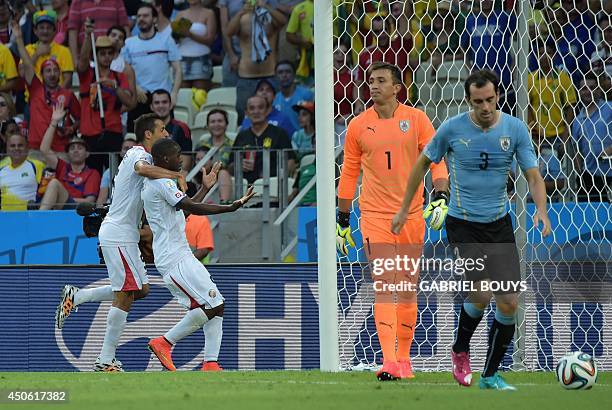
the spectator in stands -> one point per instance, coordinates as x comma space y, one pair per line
7, 112
178, 130
231, 44
579, 31
105, 13
290, 93
486, 42
75, 182
117, 35
5, 20
62, 10
602, 56
551, 98
8, 127
8, 70
266, 90
301, 140
591, 130
259, 136
305, 174
104, 196
196, 28
300, 32
199, 235
258, 53
44, 94
444, 36
401, 52
46, 48
556, 18
115, 89
345, 92
216, 122
19, 175
152, 56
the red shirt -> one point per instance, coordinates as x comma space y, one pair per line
90, 117
397, 54
106, 14
41, 108
78, 185
61, 36
343, 92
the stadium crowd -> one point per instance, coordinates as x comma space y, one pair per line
238, 75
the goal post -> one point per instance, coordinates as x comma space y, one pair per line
326, 193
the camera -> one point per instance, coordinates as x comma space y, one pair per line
92, 217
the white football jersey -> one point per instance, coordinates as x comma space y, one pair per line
170, 244
123, 220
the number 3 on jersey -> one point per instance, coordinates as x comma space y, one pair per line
485, 160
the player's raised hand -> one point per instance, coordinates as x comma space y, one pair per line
437, 210
250, 193
542, 217
210, 179
182, 183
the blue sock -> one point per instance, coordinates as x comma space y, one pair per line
500, 336
504, 319
472, 310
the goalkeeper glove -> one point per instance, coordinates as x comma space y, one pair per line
437, 209
343, 233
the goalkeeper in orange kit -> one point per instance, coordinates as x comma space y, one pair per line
384, 142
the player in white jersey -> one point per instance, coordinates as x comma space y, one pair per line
119, 236
186, 278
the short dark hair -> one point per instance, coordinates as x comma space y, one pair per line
285, 62
161, 91
118, 28
145, 122
396, 73
164, 147
150, 6
480, 78
217, 111
590, 76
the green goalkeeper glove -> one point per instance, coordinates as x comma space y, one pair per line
343, 233
437, 209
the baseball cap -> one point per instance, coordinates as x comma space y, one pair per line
48, 16
305, 105
76, 140
130, 136
104, 42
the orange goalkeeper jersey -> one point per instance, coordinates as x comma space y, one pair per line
386, 150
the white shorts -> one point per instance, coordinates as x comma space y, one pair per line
191, 284
126, 269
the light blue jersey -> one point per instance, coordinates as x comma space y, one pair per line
479, 162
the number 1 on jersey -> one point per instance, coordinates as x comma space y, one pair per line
388, 159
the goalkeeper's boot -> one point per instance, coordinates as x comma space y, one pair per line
461, 368
211, 367
114, 366
66, 305
405, 367
389, 371
162, 349
495, 382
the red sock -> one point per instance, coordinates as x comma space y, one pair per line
406, 323
385, 317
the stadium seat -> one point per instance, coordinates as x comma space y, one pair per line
224, 96
181, 114
452, 70
258, 187
199, 135
231, 135
445, 111
232, 117
184, 101
451, 91
307, 160
217, 77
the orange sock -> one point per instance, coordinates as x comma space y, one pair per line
406, 323
385, 317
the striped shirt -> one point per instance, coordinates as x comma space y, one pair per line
105, 13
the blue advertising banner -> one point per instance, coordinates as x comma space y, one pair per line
45, 237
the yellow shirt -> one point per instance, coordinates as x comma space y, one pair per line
549, 95
59, 53
302, 20
8, 70
18, 186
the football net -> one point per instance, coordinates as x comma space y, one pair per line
545, 55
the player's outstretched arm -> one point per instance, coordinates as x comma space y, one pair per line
416, 177
537, 188
208, 181
153, 172
211, 209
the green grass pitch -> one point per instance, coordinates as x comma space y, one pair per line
289, 390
